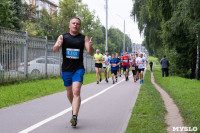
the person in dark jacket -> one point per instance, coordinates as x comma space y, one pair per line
151, 65
165, 66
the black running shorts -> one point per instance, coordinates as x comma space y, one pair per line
140, 69
98, 65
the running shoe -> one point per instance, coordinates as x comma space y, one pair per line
116, 79
100, 79
142, 81
97, 82
106, 79
120, 75
113, 82
74, 121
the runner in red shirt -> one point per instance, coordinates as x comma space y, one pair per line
126, 64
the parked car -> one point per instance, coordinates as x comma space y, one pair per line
1, 68
37, 66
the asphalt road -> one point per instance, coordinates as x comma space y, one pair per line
106, 108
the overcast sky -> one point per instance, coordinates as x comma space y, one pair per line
118, 10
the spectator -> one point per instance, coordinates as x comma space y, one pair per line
165, 66
151, 65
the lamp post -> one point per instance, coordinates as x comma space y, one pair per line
106, 25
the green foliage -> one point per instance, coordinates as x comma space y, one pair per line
171, 29
14, 14
8, 16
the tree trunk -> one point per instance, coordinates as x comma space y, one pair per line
197, 64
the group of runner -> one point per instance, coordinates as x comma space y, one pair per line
117, 64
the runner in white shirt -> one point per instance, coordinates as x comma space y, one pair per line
141, 66
136, 57
106, 65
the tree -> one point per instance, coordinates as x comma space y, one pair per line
7, 15
172, 29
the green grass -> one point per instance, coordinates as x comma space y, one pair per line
153, 59
18, 93
186, 95
149, 111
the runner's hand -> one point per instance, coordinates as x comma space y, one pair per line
90, 41
60, 41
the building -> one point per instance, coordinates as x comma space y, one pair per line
50, 6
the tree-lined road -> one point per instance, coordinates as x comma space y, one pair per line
107, 111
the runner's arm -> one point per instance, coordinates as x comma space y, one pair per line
147, 63
103, 58
88, 46
95, 59
58, 44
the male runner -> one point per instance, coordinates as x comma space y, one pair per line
134, 68
141, 66
73, 44
114, 63
106, 65
98, 57
120, 66
117, 57
137, 73
126, 64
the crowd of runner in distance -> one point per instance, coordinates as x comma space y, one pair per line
120, 64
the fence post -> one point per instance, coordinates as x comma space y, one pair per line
46, 46
26, 58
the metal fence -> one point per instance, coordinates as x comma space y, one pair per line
29, 57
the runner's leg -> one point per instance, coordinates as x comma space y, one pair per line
108, 69
127, 70
69, 93
105, 72
141, 75
76, 88
97, 73
120, 71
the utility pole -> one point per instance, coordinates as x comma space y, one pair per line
106, 25
124, 38
135, 48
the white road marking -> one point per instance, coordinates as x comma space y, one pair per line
65, 111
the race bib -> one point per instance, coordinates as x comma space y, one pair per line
125, 60
72, 53
141, 63
106, 63
113, 65
133, 68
